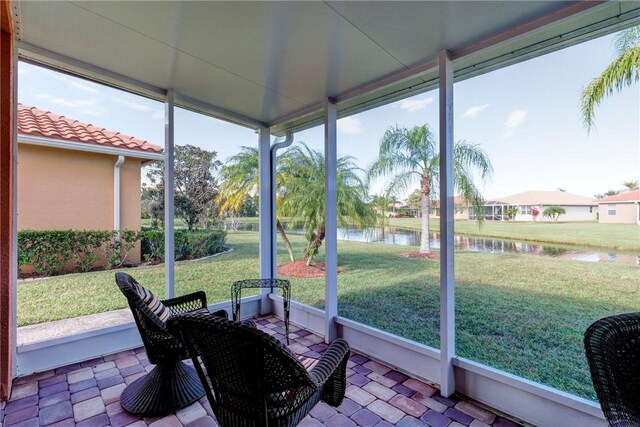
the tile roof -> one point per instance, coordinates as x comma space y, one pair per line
548, 198
35, 122
627, 196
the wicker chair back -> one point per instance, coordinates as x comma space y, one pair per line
254, 380
612, 347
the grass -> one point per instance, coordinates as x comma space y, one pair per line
523, 314
624, 237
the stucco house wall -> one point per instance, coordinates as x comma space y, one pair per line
626, 213
574, 213
64, 189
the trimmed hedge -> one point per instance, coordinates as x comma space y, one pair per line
50, 252
187, 244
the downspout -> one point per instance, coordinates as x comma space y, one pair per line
288, 140
116, 195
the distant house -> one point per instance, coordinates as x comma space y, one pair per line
460, 205
73, 175
578, 208
623, 208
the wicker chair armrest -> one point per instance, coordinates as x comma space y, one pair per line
249, 322
186, 303
331, 372
331, 360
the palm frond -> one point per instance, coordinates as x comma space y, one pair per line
627, 39
621, 73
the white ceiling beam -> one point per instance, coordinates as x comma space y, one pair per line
43, 57
61, 63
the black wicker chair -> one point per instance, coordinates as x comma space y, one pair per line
254, 380
612, 346
172, 384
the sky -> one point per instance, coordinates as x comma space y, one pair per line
526, 117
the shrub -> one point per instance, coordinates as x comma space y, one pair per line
47, 251
50, 251
187, 244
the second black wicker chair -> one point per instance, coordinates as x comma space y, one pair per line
612, 346
172, 384
255, 381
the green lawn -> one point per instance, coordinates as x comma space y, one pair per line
522, 314
624, 237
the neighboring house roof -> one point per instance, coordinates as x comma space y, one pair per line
548, 198
627, 196
40, 123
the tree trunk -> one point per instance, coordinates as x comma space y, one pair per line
285, 239
425, 241
317, 242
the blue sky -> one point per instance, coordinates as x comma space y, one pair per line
526, 117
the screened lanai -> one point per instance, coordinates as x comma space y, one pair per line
280, 68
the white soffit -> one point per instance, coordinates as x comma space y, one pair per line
275, 62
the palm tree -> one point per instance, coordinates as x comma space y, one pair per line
623, 71
303, 198
380, 204
412, 155
240, 178
631, 185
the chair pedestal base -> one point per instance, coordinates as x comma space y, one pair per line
165, 389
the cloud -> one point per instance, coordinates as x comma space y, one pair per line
350, 125
84, 87
412, 105
154, 113
87, 105
473, 112
132, 105
515, 119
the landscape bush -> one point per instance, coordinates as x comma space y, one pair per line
53, 252
187, 244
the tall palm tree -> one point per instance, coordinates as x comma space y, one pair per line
623, 71
240, 177
303, 197
413, 156
631, 185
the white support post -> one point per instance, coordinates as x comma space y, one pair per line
267, 215
331, 221
169, 258
447, 313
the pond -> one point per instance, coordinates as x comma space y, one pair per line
406, 237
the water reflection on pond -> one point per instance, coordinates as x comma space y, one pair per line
401, 236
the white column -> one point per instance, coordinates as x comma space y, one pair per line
267, 213
331, 221
447, 308
169, 258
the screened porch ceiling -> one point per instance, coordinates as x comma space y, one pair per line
274, 63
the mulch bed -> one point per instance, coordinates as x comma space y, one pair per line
300, 270
431, 255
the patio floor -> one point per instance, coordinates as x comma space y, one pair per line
88, 393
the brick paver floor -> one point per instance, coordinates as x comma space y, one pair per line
87, 395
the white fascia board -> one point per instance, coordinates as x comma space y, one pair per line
79, 146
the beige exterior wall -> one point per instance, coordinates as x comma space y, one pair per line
573, 213
626, 213
61, 189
